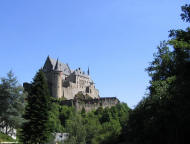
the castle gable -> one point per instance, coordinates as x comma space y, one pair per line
51, 63
48, 66
78, 72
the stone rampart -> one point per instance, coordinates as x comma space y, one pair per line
91, 104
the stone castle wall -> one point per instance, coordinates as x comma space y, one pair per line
57, 89
70, 91
92, 104
54, 79
67, 87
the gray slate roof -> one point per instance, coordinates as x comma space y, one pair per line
61, 66
56, 65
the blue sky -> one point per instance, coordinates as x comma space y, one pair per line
115, 38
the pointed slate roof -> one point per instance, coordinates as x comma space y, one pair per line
57, 68
57, 65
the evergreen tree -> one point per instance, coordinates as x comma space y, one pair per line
11, 103
36, 129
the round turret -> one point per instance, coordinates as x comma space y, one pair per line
57, 90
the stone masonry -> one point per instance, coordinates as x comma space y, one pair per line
91, 104
66, 83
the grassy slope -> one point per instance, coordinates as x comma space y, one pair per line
5, 138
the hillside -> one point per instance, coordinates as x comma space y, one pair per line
5, 138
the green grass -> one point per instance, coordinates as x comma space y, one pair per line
5, 138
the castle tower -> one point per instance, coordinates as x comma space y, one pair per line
57, 90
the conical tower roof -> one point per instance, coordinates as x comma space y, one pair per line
57, 66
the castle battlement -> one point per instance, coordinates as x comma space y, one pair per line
91, 104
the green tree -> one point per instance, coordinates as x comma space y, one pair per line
36, 129
55, 121
76, 130
66, 112
11, 103
163, 116
92, 126
186, 13
106, 116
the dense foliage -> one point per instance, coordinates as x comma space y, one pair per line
96, 127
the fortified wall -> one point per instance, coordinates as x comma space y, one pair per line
91, 104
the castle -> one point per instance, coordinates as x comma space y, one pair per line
74, 87
66, 83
